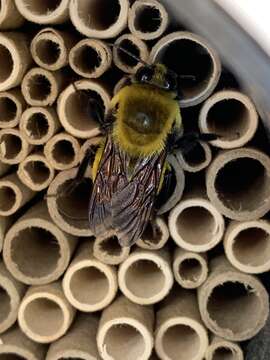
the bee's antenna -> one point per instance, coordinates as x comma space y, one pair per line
119, 47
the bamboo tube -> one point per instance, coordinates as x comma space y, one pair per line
89, 285
45, 315
44, 11
138, 287
15, 59
136, 46
10, 18
13, 146
41, 87
238, 183
126, 329
15, 345
5, 223
12, 105
36, 172
189, 54
190, 269
154, 239
180, 333
13, 194
11, 293
233, 305
62, 151
90, 58
4, 168
95, 20
178, 185
50, 48
148, 19
35, 237
74, 107
120, 84
39, 124
247, 245
79, 342
232, 116
108, 250
69, 209
197, 159
221, 349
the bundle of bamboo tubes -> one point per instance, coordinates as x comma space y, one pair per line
192, 289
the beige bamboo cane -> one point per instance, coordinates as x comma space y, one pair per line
69, 209
14, 344
180, 332
5, 223
95, 20
196, 159
12, 105
13, 146
138, 287
11, 293
45, 315
154, 239
232, 116
220, 349
89, 285
50, 48
35, 237
126, 330
74, 107
15, 59
247, 245
183, 48
90, 58
62, 151
39, 124
36, 172
79, 342
233, 305
44, 11
190, 269
238, 183
120, 84
10, 18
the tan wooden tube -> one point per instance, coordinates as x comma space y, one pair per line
157, 238
45, 315
39, 124
238, 183
40, 87
62, 151
221, 349
184, 50
69, 210
196, 159
120, 84
50, 48
233, 305
141, 289
148, 19
15, 59
90, 58
122, 323
180, 332
5, 223
108, 250
13, 146
35, 237
89, 285
12, 105
232, 116
73, 107
136, 46
247, 245
36, 172
13, 194
99, 18
79, 342
10, 18
11, 293
190, 269
44, 11
15, 345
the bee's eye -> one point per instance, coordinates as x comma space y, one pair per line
170, 81
144, 74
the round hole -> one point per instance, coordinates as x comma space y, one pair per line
5, 304
39, 87
190, 270
86, 59
195, 156
148, 19
7, 198
150, 237
63, 152
11, 145
37, 171
8, 109
223, 353
6, 63
111, 246
48, 51
125, 58
37, 126
10, 356
42, 7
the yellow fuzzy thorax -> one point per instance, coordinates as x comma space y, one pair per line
161, 108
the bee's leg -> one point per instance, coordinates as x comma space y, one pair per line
164, 192
188, 141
